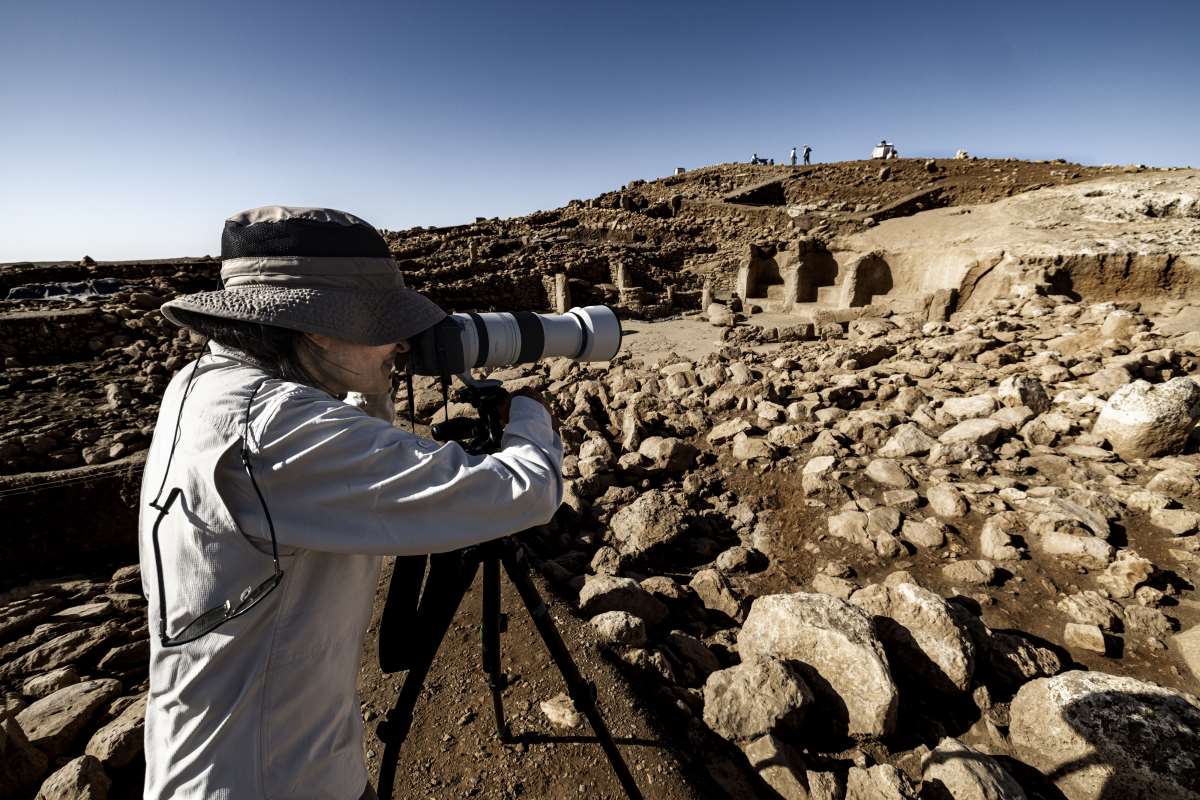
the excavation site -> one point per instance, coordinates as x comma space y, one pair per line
891, 492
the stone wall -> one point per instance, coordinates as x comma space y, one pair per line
77, 515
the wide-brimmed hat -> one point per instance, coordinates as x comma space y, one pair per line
315, 270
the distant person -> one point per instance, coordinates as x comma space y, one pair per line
807, 153
771, 162
793, 157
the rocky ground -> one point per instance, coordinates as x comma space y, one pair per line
900, 558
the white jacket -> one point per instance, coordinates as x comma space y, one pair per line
266, 705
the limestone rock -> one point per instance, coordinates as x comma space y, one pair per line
1084, 637
727, 430
946, 501
888, 473
907, 440
880, 782
973, 431
834, 643
561, 712
80, 779
922, 534
1125, 574
996, 538
1016, 658
601, 593
1091, 608
22, 763
120, 741
668, 454
1020, 390
50, 682
654, 519
751, 448
619, 628
966, 774
53, 723
957, 409
757, 697
921, 635
1141, 420
64, 649
1105, 736
716, 594
779, 765
972, 572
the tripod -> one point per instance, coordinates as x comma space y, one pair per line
448, 579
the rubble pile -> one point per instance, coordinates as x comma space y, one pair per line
882, 575
73, 660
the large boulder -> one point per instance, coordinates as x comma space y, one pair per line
53, 723
1141, 420
922, 638
652, 520
754, 698
834, 646
120, 741
1104, 736
82, 778
956, 772
61, 650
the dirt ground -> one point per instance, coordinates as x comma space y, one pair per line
453, 749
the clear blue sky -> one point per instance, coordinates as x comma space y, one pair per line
132, 129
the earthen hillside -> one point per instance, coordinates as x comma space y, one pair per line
894, 492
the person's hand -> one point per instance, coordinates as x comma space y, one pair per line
532, 394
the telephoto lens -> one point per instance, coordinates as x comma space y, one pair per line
462, 342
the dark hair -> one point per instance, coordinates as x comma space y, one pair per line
277, 349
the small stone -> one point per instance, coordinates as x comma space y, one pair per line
946, 501
726, 431
1176, 521
973, 431
619, 628
560, 711
1084, 637
888, 473
716, 594
972, 572
602, 593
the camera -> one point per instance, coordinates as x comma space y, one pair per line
462, 342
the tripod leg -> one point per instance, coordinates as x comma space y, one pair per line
579, 690
491, 644
404, 594
448, 580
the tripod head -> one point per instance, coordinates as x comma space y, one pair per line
481, 434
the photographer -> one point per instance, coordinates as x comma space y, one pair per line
274, 484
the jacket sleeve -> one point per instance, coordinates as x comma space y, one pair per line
339, 480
